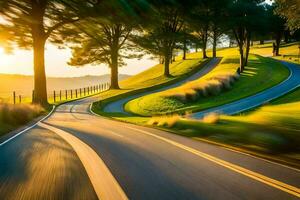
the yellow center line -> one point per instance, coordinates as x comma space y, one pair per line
251, 174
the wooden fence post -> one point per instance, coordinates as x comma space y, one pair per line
66, 94
54, 96
71, 94
32, 98
14, 97
76, 93
20, 99
60, 95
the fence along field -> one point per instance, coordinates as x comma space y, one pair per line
55, 96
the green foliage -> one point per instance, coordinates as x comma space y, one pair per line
290, 10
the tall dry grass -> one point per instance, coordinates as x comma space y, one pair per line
167, 120
194, 90
171, 120
19, 114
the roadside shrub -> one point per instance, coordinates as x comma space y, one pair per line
210, 87
19, 114
211, 118
168, 121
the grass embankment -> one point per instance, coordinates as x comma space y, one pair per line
260, 74
14, 116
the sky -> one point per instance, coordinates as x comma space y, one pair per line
21, 62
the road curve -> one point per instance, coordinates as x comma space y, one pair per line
292, 82
146, 163
118, 106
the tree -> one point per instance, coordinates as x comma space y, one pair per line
103, 43
290, 10
276, 27
187, 40
32, 22
161, 33
218, 21
200, 21
243, 17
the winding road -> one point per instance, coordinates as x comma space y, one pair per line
75, 154
292, 82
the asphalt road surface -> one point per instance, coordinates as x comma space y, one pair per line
77, 155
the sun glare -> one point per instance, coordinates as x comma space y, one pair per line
3, 55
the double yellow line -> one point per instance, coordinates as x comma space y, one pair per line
256, 176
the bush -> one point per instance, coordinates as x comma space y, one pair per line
211, 118
210, 87
19, 114
168, 121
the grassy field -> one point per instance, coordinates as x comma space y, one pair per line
260, 74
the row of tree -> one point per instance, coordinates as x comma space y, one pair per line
103, 31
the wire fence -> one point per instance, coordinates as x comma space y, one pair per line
55, 96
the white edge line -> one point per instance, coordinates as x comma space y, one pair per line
28, 128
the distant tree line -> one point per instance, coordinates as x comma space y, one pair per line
109, 31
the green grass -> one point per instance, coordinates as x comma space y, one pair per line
288, 52
260, 74
291, 97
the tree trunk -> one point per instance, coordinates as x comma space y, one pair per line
247, 48
204, 39
167, 64
184, 49
286, 36
277, 46
39, 39
242, 61
40, 84
114, 76
215, 44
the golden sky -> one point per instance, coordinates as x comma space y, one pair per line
21, 62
